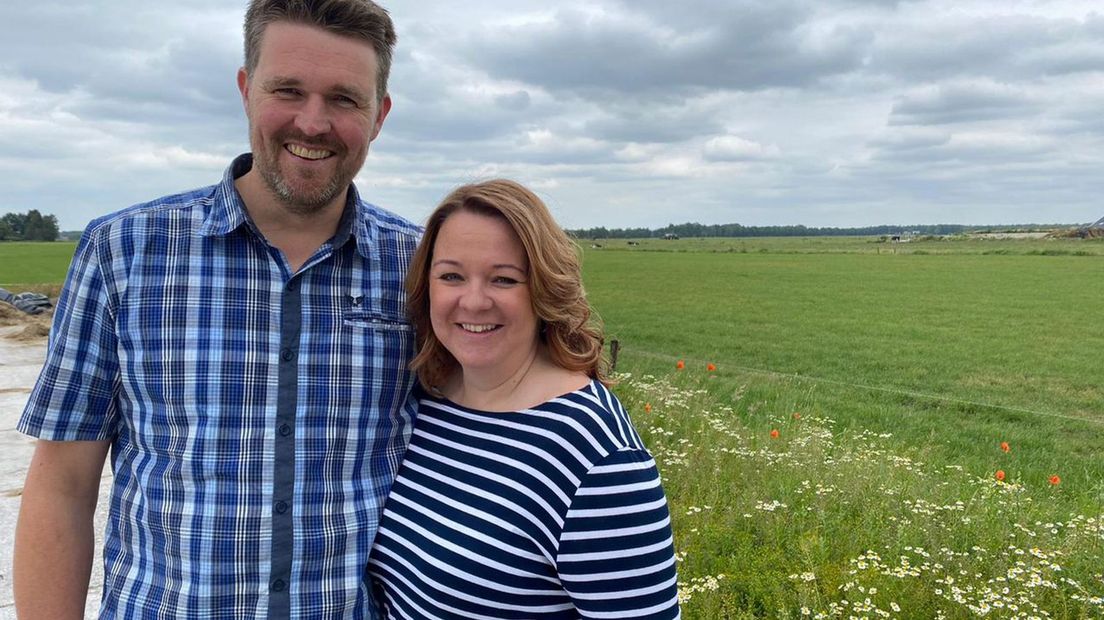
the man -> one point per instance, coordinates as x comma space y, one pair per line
241, 350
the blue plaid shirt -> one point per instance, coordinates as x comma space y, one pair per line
257, 417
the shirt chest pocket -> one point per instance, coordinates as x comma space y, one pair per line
375, 351
367, 319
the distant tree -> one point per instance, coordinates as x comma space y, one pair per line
13, 225
29, 226
692, 229
40, 227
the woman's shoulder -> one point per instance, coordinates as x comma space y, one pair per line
597, 411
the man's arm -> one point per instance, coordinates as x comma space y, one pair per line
54, 539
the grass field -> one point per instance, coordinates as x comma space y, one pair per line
959, 244
30, 265
892, 380
840, 458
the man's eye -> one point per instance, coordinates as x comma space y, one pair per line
346, 102
286, 93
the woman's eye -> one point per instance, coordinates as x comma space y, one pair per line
449, 277
505, 281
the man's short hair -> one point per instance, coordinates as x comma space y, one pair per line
360, 19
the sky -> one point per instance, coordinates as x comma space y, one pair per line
618, 113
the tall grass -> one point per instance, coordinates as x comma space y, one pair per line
781, 510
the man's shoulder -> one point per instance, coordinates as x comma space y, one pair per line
193, 203
387, 222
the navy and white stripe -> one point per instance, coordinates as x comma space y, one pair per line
553, 512
258, 417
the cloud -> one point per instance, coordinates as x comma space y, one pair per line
625, 48
961, 101
735, 148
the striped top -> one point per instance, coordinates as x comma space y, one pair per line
551, 512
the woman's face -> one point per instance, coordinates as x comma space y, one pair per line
479, 302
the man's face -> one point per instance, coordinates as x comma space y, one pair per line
313, 111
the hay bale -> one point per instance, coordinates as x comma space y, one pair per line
35, 327
10, 316
34, 332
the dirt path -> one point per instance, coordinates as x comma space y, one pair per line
22, 351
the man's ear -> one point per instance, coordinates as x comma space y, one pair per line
243, 86
381, 115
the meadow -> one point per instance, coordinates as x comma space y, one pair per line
33, 265
848, 428
862, 433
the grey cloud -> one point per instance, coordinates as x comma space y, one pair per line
515, 101
642, 123
435, 122
962, 102
907, 142
117, 61
742, 46
1002, 47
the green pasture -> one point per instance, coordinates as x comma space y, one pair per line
26, 265
955, 244
907, 370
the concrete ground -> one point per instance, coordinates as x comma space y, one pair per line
20, 362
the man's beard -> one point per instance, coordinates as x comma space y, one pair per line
299, 200
302, 203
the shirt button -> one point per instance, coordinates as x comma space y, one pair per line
291, 286
285, 430
287, 355
281, 507
278, 585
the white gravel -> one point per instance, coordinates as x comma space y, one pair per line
20, 364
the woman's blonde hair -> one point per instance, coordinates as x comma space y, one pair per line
568, 327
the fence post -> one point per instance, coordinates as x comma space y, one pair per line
615, 347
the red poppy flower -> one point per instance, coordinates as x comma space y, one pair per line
774, 433
1055, 480
680, 364
647, 407
1005, 447
796, 415
710, 367
1000, 475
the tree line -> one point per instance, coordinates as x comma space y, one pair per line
29, 226
738, 230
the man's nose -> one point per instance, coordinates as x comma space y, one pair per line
313, 118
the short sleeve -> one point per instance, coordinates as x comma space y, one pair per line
616, 557
73, 398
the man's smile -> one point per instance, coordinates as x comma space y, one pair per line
306, 153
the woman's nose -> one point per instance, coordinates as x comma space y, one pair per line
475, 298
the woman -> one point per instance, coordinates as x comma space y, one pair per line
525, 492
